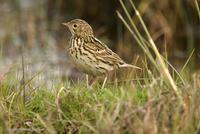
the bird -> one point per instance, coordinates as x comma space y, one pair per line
89, 54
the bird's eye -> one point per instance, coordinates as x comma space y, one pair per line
74, 25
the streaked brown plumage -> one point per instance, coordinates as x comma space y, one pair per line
89, 54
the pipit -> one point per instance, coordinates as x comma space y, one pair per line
90, 55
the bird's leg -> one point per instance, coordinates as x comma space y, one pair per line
90, 82
87, 80
93, 81
115, 78
104, 81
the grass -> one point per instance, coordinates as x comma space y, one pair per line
197, 7
64, 109
146, 106
144, 44
155, 102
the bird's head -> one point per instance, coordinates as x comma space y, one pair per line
79, 28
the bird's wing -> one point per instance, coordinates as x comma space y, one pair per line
103, 52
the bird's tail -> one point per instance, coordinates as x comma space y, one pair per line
129, 65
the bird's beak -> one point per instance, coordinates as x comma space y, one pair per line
65, 24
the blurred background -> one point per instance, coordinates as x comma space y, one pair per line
32, 28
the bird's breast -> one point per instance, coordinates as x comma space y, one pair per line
84, 57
